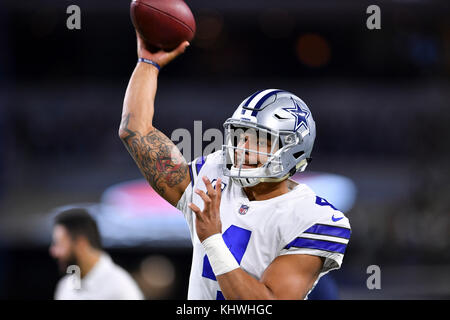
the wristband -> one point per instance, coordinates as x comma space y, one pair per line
153, 63
219, 256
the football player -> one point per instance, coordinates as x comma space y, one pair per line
256, 234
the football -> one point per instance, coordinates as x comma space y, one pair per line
163, 24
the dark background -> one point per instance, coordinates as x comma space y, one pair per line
380, 98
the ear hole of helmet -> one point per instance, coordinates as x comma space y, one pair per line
292, 171
298, 154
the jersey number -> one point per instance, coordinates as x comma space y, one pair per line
236, 239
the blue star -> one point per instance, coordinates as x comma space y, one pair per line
299, 114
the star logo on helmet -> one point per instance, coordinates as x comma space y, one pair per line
299, 114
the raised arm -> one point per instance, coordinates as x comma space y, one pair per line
157, 157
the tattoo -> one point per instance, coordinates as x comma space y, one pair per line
157, 157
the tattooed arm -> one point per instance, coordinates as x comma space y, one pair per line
157, 157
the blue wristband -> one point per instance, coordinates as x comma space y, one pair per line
150, 62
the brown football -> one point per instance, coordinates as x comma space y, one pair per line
163, 24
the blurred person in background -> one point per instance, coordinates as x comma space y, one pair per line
77, 242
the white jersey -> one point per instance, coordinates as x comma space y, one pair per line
105, 281
257, 232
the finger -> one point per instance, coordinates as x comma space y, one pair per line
178, 50
209, 187
182, 47
219, 192
211, 192
206, 199
139, 39
194, 207
196, 210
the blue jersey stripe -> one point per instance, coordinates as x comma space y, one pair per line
328, 230
220, 296
199, 164
262, 100
317, 244
190, 174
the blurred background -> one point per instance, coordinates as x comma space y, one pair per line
380, 98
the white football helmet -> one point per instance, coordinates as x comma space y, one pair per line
275, 121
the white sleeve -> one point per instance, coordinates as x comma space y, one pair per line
186, 198
58, 291
325, 239
127, 288
195, 167
194, 171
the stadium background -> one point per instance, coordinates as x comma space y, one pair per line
380, 98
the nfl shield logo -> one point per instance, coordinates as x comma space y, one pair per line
243, 209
